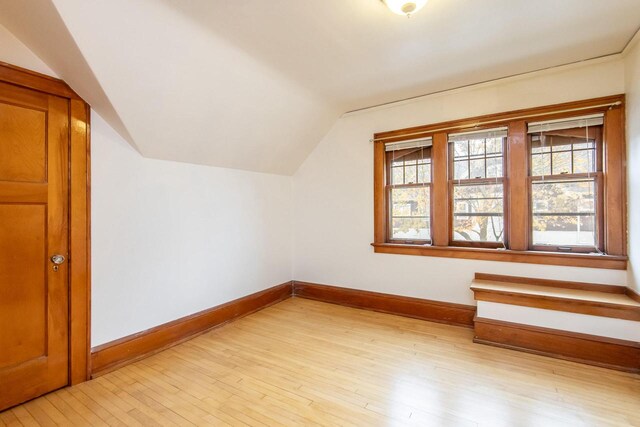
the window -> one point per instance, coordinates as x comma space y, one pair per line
477, 175
409, 191
544, 185
566, 171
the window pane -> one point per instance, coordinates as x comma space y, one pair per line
410, 175
494, 146
540, 164
539, 144
397, 176
564, 213
583, 161
411, 229
483, 160
561, 163
478, 213
494, 167
424, 173
410, 213
476, 148
410, 201
560, 230
461, 170
461, 149
564, 151
477, 169
410, 166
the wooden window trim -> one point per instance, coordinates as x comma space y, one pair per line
516, 187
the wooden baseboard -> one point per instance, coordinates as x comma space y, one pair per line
590, 349
114, 354
434, 311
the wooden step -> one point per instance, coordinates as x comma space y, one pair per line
586, 298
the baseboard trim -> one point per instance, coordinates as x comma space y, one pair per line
583, 348
433, 311
115, 354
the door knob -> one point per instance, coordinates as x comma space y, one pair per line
57, 259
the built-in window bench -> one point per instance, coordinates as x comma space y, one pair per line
584, 322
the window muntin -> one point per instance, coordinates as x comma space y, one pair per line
478, 214
477, 187
559, 154
409, 191
565, 171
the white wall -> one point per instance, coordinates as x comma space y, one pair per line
13, 51
333, 189
170, 239
632, 80
562, 320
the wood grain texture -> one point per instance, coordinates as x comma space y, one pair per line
633, 294
590, 349
13, 82
611, 205
615, 183
114, 354
303, 362
517, 188
34, 298
595, 287
547, 112
528, 257
80, 243
379, 196
440, 202
616, 306
37, 81
435, 311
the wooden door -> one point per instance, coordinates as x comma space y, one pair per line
34, 297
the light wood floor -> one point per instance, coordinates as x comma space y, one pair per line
302, 362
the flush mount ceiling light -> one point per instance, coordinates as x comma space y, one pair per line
403, 7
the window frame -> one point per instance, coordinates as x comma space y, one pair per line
389, 186
598, 178
477, 181
611, 184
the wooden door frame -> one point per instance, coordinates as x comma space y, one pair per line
79, 213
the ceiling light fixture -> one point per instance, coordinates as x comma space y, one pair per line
403, 7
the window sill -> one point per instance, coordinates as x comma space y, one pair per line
529, 257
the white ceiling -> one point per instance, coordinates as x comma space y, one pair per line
256, 84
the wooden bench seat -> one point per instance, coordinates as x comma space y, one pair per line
598, 303
599, 324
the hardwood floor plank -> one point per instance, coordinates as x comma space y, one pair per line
303, 362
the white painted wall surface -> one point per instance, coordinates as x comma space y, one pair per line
632, 79
333, 189
170, 239
13, 51
573, 322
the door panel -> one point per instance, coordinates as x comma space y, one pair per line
34, 180
23, 144
23, 228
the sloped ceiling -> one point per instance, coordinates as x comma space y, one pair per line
256, 84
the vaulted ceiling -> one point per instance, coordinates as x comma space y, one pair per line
256, 84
